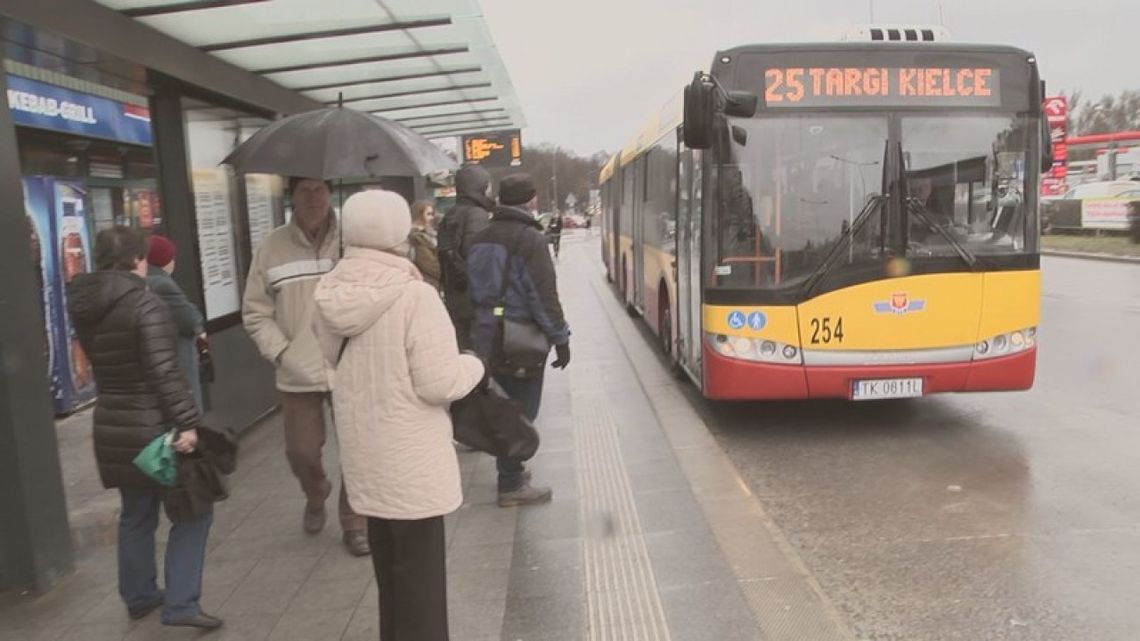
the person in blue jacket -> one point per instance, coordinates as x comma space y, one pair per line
513, 246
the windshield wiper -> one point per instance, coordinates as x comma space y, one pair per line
860, 221
917, 208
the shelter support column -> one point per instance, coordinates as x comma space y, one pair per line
35, 539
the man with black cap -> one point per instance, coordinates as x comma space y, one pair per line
512, 277
470, 215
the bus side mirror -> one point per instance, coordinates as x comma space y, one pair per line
1046, 138
1046, 148
741, 104
700, 107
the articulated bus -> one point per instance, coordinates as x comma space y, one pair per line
852, 220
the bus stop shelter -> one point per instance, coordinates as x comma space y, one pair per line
201, 75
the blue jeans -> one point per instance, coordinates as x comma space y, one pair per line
528, 392
185, 557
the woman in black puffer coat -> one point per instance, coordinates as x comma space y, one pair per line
130, 339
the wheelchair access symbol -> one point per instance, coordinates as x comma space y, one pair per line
736, 319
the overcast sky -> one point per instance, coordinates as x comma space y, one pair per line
590, 72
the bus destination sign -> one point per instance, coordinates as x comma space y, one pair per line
881, 87
494, 149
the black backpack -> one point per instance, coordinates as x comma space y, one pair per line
452, 264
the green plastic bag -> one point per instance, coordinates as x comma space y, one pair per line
157, 460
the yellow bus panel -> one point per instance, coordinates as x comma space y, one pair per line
775, 323
1010, 301
914, 312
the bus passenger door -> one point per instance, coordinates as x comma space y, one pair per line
613, 203
639, 197
687, 335
694, 347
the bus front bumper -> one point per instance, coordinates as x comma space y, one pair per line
733, 379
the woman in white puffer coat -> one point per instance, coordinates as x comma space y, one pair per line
395, 367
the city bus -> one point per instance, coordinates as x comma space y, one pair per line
851, 220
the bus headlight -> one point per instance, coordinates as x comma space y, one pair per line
1006, 344
754, 349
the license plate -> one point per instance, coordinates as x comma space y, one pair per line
886, 388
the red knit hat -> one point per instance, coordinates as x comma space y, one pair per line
161, 251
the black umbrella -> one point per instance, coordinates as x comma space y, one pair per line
338, 143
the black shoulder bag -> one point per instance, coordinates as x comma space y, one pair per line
522, 347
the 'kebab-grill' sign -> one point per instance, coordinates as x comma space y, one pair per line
881, 86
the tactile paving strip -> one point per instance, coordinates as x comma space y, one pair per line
622, 602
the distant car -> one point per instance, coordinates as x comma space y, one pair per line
1065, 212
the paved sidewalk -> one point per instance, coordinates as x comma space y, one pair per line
651, 534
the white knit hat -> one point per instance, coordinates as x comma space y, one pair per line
376, 219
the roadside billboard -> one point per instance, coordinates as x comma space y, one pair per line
1056, 110
1105, 213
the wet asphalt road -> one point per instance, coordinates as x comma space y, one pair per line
974, 517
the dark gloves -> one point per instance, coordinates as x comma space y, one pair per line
563, 352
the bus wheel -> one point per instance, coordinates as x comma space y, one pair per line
668, 344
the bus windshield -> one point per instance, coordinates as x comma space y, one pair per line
789, 188
967, 174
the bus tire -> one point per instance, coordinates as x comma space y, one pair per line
665, 329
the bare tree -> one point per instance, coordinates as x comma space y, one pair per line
575, 174
1107, 115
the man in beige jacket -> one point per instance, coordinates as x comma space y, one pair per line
278, 314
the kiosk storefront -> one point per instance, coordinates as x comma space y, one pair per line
86, 164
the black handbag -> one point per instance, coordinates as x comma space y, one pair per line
522, 347
490, 421
205, 361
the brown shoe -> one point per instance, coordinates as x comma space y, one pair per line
357, 543
201, 621
525, 495
314, 519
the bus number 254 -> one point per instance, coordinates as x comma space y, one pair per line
825, 330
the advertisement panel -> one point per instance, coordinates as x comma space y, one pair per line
41, 223
73, 247
1056, 110
1105, 213
43, 106
141, 205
